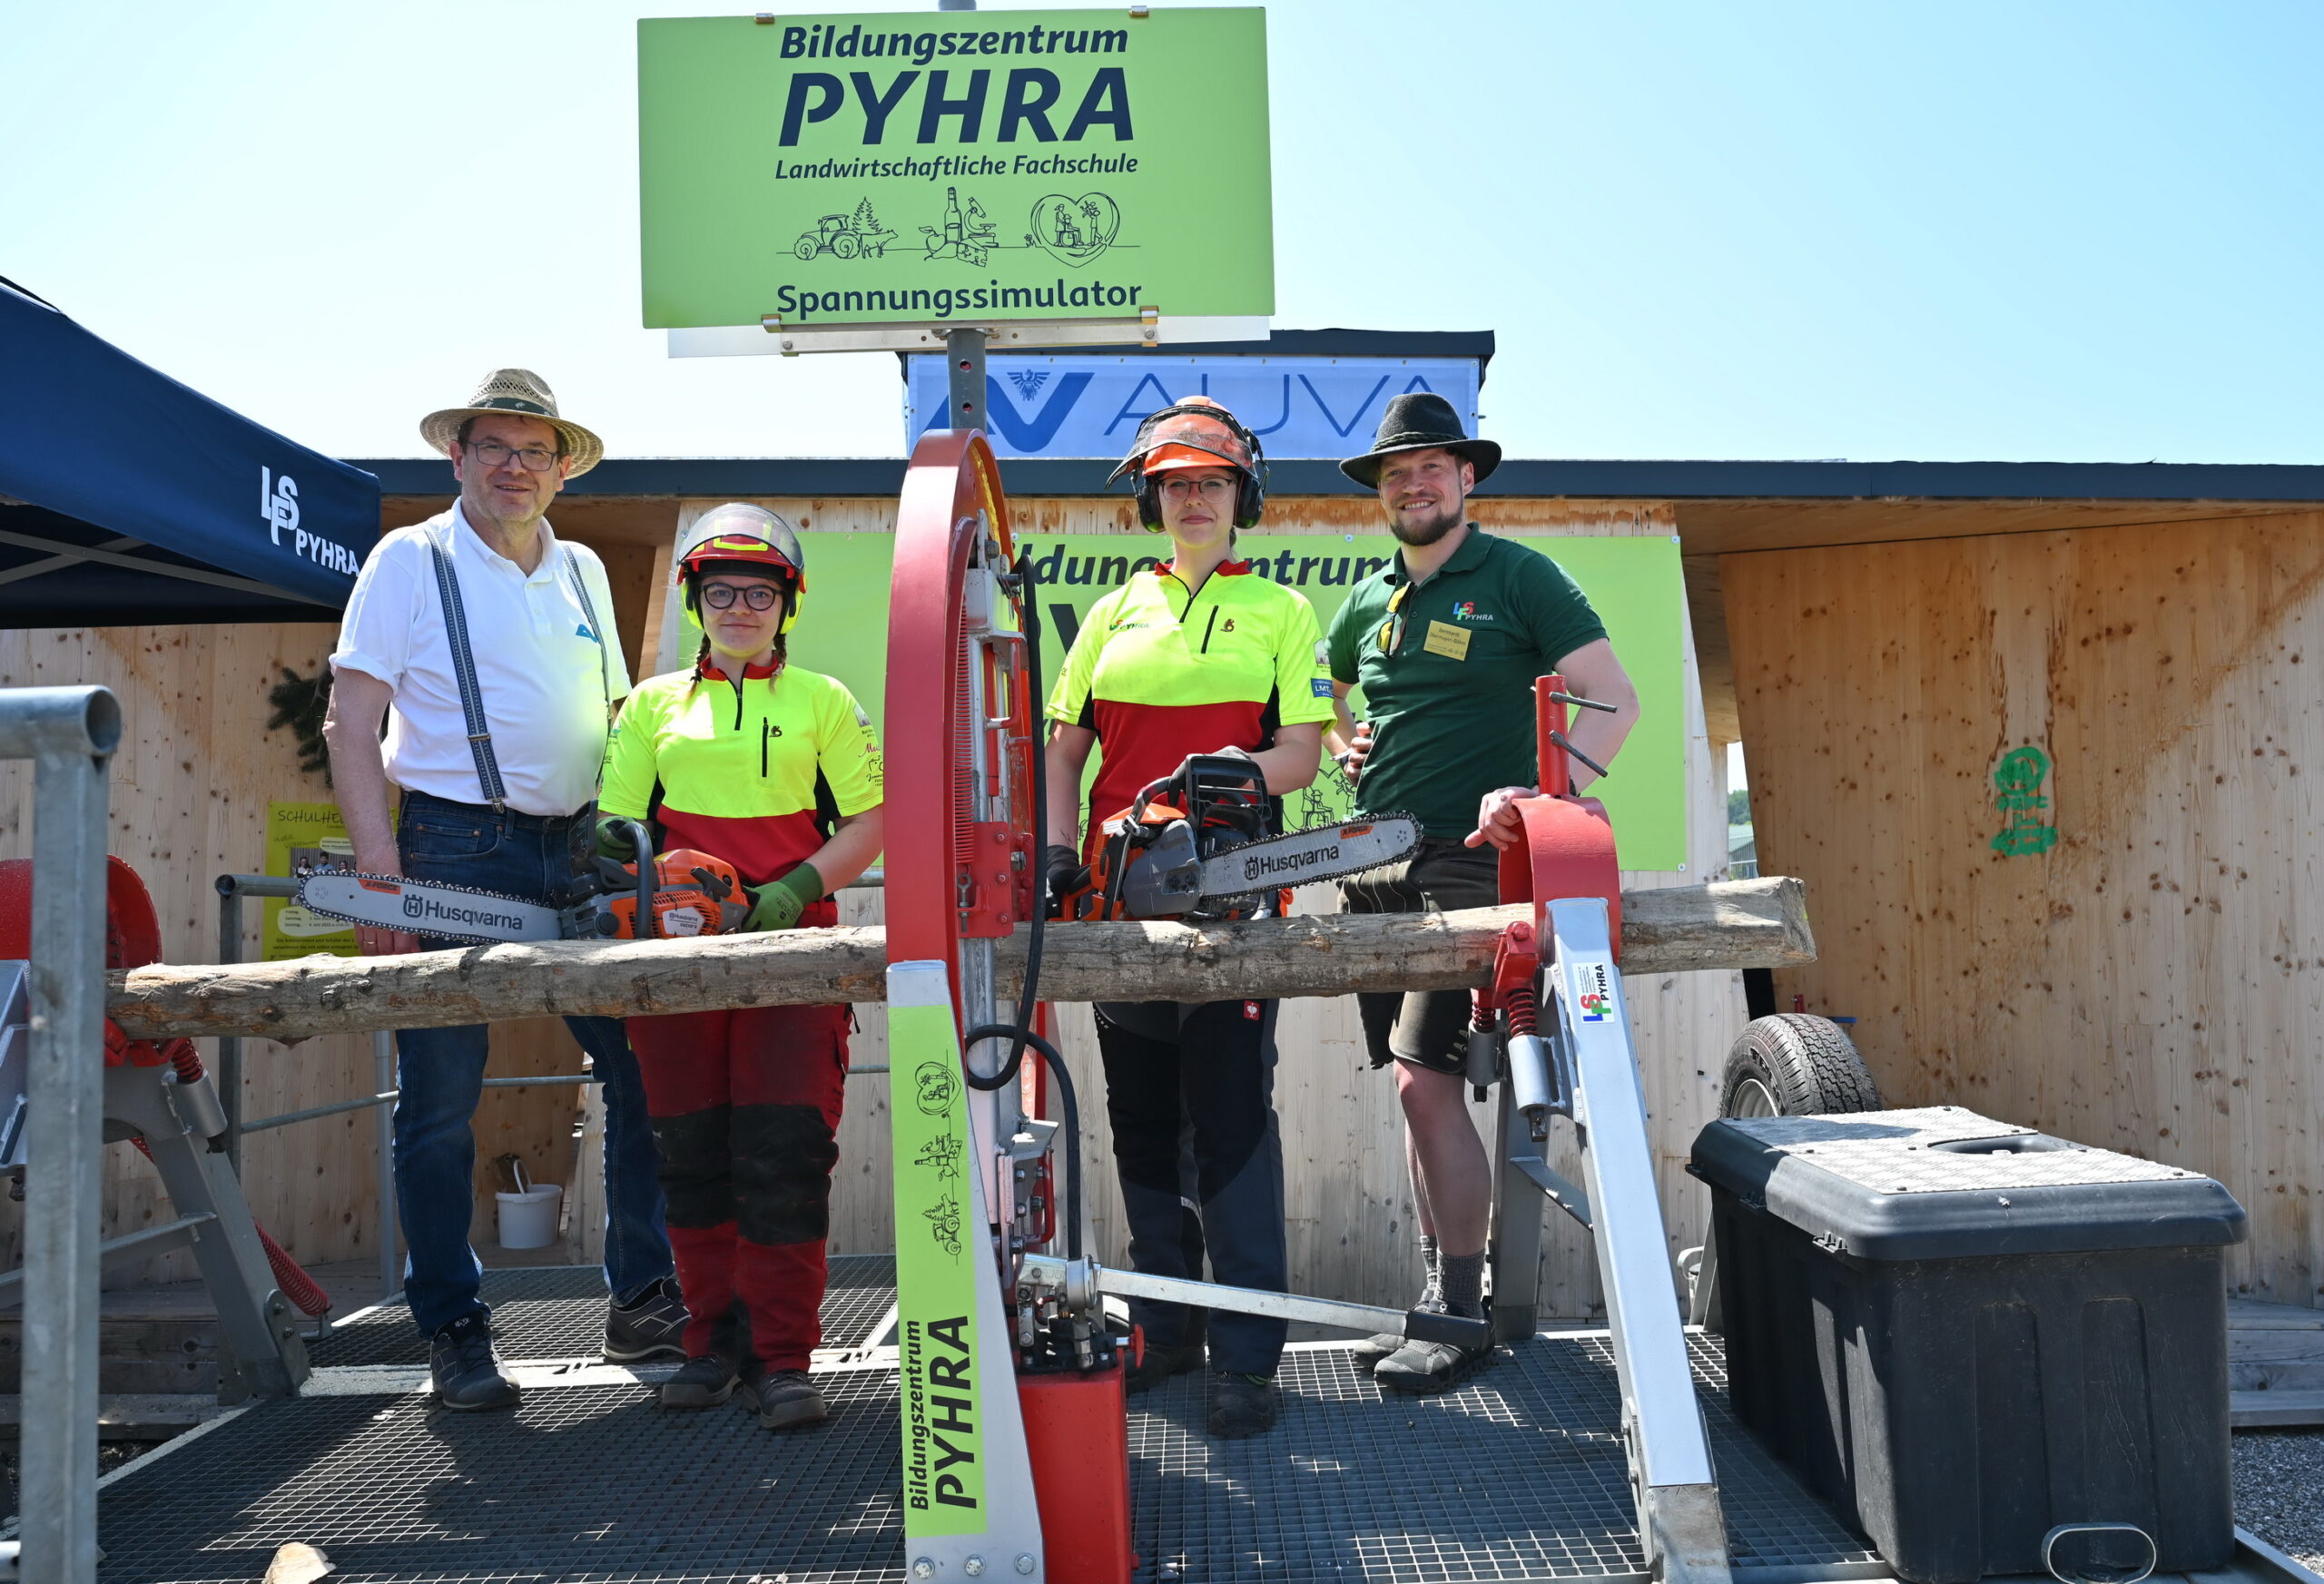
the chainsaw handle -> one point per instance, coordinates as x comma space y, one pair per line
641, 841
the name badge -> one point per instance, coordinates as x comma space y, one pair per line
1446, 639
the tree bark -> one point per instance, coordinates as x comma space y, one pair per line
1754, 923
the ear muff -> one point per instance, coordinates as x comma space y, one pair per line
1250, 488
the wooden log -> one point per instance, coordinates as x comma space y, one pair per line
1754, 923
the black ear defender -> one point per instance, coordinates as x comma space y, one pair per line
1250, 491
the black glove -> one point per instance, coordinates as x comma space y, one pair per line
1059, 864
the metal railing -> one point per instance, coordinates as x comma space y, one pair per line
69, 733
232, 889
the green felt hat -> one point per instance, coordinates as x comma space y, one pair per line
1421, 421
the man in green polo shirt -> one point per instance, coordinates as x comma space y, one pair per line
1446, 642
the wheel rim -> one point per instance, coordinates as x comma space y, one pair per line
1753, 1098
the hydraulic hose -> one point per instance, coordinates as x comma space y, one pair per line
1029, 604
1072, 1119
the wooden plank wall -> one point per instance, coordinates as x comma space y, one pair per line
190, 784
1348, 1198
2153, 984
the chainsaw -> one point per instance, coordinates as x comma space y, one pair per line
1195, 844
689, 893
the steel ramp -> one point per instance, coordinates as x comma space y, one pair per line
558, 1311
1519, 1474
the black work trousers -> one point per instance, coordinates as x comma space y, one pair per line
1190, 1091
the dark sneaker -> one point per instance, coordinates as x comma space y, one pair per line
1162, 1361
787, 1400
1426, 1368
651, 1326
465, 1373
704, 1383
1241, 1406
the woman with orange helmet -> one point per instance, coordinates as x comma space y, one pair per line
777, 770
1198, 655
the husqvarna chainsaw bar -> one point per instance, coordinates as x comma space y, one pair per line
1171, 879
453, 913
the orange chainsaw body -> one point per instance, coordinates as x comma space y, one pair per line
694, 893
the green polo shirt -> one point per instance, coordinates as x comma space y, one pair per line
1451, 706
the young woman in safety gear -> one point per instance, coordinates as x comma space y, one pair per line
1198, 655
777, 770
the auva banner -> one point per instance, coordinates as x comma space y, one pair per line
1089, 406
991, 167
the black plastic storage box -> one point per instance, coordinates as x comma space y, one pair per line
1964, 1334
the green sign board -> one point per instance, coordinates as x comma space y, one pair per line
1633, 582
979, 168
940, 1256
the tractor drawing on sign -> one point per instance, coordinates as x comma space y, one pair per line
845, 236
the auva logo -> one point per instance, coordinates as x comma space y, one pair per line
1026, 433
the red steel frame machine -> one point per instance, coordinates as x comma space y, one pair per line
1013, 1428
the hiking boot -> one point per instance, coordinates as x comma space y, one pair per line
702, 1382
1241, 1406
1159, 1363
464, 1369
1425, 1368
652, 1326
787, 1400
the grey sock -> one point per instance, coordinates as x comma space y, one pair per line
1431, 1290
1462, 1276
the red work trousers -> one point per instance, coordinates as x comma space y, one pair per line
746, 1106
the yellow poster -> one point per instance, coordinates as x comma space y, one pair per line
308, 833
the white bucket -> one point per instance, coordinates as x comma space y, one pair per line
528, 1220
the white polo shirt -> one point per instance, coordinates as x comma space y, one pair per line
544, 672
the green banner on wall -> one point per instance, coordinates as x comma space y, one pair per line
1634, 582
989, 167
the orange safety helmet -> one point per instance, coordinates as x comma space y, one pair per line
1198, 432
749, 538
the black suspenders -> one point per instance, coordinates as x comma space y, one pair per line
456, 637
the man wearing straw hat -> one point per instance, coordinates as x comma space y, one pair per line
1446, 642
481, 639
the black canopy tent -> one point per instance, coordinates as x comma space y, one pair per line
128, 499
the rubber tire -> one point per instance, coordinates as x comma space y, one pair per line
1807, 1065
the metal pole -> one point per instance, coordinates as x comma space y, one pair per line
68, 732
383, 1078
964, 359
230, 1045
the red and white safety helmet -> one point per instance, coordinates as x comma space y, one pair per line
744, 539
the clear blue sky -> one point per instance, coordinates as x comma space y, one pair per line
2074, 232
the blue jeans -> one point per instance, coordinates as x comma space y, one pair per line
440, 1073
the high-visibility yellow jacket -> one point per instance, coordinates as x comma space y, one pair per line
755, 771
1159, 672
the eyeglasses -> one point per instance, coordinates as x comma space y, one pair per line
1209, 488
759, 596
493, 454
1392, 631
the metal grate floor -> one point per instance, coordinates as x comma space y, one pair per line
1518, 1475
558, 1311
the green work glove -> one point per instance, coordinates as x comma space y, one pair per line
612, 839
777, 905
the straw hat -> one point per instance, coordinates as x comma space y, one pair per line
520, 391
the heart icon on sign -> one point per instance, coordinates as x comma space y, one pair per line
1076, 230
